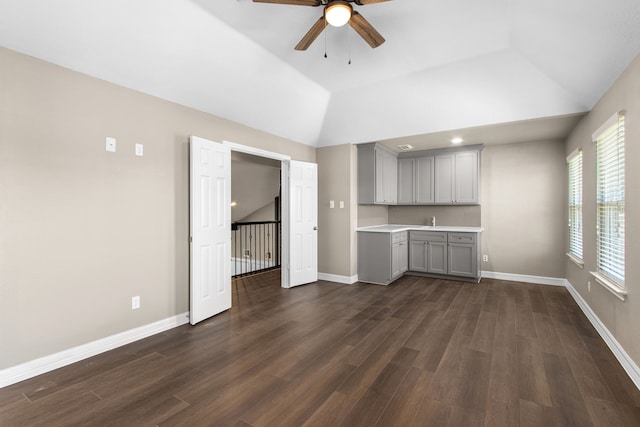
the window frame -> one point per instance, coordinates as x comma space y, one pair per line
575, 207
610, 205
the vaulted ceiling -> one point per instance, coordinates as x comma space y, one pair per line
445, 65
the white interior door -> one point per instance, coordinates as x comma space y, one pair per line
210, 227
303, 223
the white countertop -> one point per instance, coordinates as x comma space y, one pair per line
393, 228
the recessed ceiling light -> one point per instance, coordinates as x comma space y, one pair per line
456, 140
405, 147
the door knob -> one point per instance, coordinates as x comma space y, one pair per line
315, 228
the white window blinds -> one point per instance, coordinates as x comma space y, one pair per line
574, 162
610, 200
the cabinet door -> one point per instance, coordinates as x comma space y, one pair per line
437, 257
424, 180
466, 177
405, 181
395, 260
390, 178
444, 177
418, 255
463, 259
380, 172
386, 177
404, 257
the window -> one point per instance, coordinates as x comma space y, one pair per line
610, 204
574, 162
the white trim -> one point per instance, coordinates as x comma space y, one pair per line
606, 125
625, 360
48, 363
338, 279
577, 261
284, 202
609, 285
540, 280
573, 154
256, 151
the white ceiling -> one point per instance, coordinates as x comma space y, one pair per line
446, 65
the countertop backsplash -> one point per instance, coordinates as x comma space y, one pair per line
462, 216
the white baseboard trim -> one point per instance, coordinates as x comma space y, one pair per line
338, 279
48, 363
539, 280
625, 360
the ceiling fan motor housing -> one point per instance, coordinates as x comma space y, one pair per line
338, 12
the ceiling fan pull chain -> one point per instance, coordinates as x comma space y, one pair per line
349, 44
325, 37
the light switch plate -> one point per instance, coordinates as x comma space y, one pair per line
111, 145
341, 204
139, 150
332, 204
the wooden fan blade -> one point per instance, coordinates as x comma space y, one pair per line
366, 30
294, 2
365, 2
312, 34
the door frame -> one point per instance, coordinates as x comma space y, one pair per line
284, 201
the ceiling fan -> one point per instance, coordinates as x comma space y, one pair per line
336, 13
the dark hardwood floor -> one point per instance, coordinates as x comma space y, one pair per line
421, 352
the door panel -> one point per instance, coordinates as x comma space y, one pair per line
303, 216
210, 225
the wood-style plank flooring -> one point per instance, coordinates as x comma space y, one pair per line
421, 352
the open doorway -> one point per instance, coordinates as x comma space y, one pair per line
210, 223
256, 238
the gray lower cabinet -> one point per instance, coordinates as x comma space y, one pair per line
444, 253
399, 254
463, 254
382, 257
428, 252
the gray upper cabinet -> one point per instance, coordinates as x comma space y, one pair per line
377, 175
457, 177
416, 180
467, 176
445, 178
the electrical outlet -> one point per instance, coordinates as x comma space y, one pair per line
135, 303
267, 255
247, 253
485, 258
110, 144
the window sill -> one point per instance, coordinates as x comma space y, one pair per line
577, 261
609, 285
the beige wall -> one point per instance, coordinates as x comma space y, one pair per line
254, 186
468, 216
523, 196
336, 235
369, 215
621, 318
83, 230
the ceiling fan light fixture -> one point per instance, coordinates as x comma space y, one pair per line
338, 13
